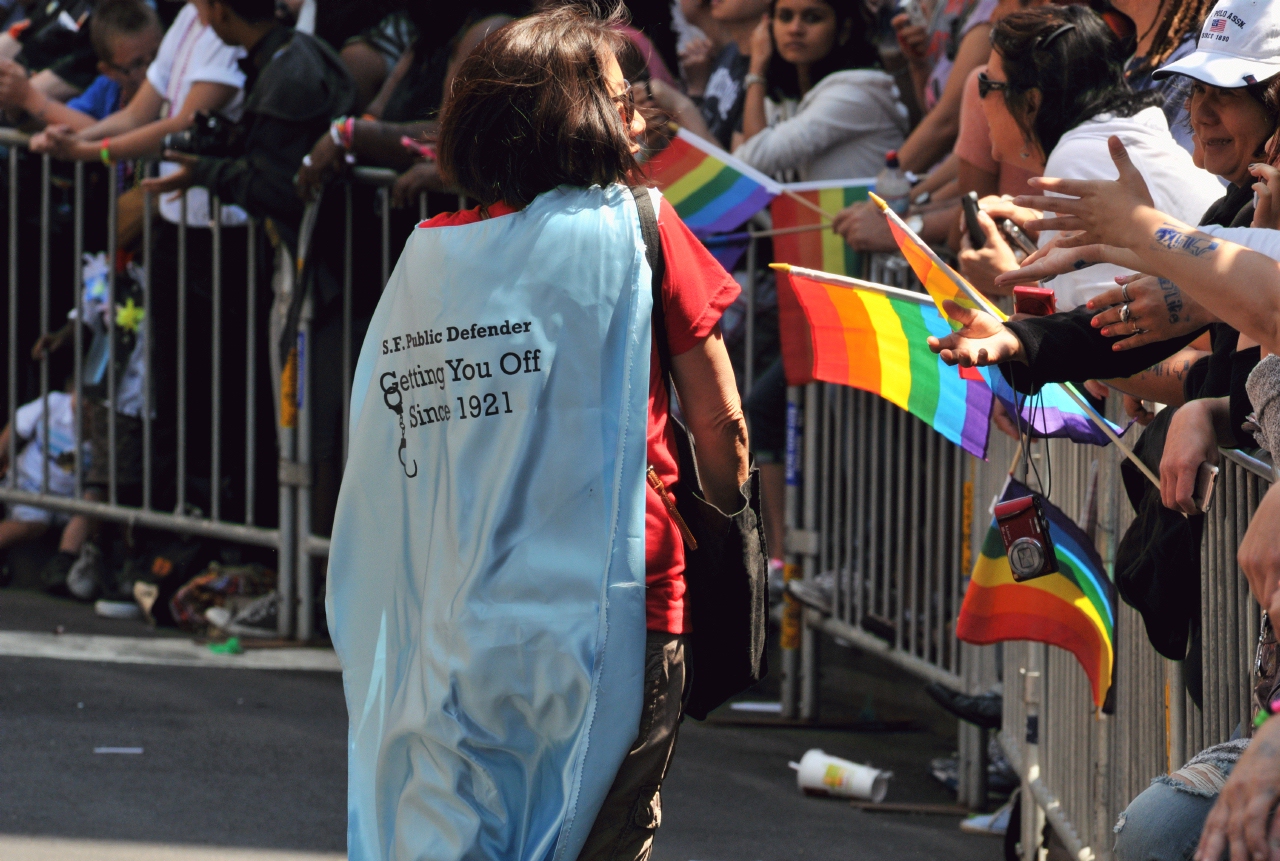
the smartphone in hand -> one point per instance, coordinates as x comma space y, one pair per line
1206, 477
977, 236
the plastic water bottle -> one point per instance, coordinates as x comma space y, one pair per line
892, 184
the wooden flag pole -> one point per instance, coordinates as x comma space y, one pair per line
808, 203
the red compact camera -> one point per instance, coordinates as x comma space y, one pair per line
1025, 532
1034, 301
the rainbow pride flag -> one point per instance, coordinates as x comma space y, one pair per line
712, 191
819, 247
854, 333
1055, 411
1074, 609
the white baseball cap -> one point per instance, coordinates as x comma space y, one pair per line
1239, 45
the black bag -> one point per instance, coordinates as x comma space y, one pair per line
1158, 560
727, 572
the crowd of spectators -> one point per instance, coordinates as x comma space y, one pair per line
263, 106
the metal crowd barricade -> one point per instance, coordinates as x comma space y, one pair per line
292, 538
891, 516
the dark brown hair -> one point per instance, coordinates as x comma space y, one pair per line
530, 110
1174, 22
118, 18
1074, 59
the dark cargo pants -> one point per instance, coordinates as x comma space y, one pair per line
632, 811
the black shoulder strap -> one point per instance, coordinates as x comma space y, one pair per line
653, 252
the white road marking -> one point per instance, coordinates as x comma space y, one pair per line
13, 848
163, 651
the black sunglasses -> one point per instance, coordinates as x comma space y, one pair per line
986, 85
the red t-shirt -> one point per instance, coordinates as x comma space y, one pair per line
695, 291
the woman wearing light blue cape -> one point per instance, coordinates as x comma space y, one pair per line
506, 577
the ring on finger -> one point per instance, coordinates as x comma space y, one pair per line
1124, 292
1124, 313
1137, 330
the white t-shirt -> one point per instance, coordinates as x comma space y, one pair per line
192, 53
61, 445
1177, 186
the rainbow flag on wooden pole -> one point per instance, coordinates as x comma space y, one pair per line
1074, 609
872, 337
819, 248
1062, 411
711, 191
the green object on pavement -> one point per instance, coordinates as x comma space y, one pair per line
230, 647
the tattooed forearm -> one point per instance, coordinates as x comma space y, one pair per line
1170, 368
1195, 244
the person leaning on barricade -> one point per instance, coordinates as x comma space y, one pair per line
399, 125
1119, 224
507, 588
125, 35
1054, 90
52, 45
294, 86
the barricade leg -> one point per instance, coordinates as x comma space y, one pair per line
306, 591
791, 608
809, 492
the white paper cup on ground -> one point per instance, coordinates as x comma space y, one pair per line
820, 774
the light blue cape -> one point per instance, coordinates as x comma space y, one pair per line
486, 577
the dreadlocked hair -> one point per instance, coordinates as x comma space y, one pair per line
1177, 18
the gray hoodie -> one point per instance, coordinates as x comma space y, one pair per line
841, 129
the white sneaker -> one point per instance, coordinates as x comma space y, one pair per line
84, 580
992, 824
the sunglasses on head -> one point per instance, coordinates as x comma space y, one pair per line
986, 85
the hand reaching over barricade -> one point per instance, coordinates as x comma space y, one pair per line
1145, 309
1192, 439
58, 141
423, 176
981, 339
319, 166
1062, 255
1103, 210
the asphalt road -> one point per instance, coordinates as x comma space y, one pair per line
250, 764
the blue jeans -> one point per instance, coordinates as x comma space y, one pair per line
1162, 824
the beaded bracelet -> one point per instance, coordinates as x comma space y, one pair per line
343, 131
1265, 712
104, 152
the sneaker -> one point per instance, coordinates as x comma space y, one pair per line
146, 594
53, 576
117, 609
260, 619
992, 824
218, 617
85, 580
816, 594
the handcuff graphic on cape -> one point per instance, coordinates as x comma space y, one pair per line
398, 409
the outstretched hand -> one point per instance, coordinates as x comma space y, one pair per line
1103, 209
1065, 253
981, 339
